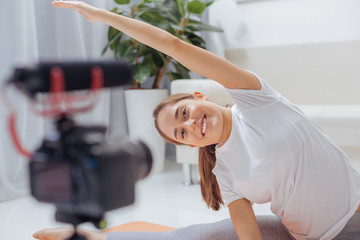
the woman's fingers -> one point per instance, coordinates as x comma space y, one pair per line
36, 235
66, 4
40, 234
53, 234
70, 4
89, 12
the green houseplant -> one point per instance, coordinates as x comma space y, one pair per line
181, 18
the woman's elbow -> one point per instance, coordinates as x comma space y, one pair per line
173, 45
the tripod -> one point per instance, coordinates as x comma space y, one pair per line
76, 220
76, 235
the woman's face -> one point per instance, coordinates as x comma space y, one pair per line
194, 122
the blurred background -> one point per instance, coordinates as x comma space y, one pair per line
307, 49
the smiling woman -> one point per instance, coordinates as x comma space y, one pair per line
195, 122
263, 149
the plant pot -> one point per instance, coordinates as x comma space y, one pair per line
140, 104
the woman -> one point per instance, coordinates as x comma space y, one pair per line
261, 150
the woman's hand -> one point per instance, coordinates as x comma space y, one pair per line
54, 234
65, 233
89, 12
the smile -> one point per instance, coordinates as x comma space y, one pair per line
203, 128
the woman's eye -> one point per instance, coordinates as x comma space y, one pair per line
184, 113
182, 133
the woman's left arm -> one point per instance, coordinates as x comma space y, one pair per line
214, 67
192, 57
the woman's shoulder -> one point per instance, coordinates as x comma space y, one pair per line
246, 99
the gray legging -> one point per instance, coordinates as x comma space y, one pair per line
270, 226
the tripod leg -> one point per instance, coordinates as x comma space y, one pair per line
76, 235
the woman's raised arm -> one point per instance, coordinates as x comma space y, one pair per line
192, 57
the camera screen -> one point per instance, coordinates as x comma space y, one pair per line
52, 182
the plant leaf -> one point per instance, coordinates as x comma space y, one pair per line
173, 76
114, 36
111, 33
171, 5
115, 40
143, 50
196, 7
122, 2
168, 13
208, 3
195, 39
148, 59
180, 4
177, 27
184, 39
152, 17
154, 1
104, 50
114, 10
180, 69
203, 27
158, 58
142, 71
163, 25
127, 52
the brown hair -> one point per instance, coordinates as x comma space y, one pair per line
210, 190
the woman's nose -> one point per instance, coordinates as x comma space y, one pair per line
191, 124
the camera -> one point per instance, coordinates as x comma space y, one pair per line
76, 167
84, 175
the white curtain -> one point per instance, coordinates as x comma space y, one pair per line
33, 30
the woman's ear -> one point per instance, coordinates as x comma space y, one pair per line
200, 95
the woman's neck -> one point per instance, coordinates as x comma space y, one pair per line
227, 126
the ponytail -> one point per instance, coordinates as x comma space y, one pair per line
210, 190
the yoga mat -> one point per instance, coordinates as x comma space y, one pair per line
139, 226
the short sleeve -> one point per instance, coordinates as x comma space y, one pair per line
227, 194
245, 99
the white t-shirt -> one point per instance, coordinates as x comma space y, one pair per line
276, 154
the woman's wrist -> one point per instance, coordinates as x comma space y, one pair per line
101, 14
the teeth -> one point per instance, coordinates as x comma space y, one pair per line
204, 126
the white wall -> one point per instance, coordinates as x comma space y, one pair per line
257, 23
306, 49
